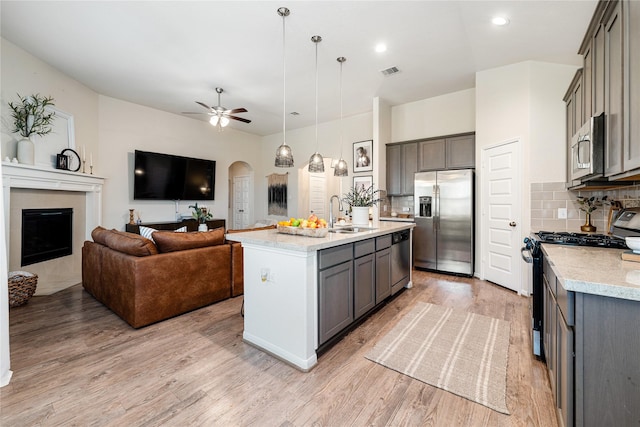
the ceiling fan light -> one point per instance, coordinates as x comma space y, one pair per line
213, 120
316, 163
284, 157
341, 168
224, 121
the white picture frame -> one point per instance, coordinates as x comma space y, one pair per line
61, 136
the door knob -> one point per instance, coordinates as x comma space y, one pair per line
512, 224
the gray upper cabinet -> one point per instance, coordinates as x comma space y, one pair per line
613, 53
597, 72
455, 152
632, 85
402, 164
431, 155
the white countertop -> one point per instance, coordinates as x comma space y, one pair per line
598, 271
277, 240
395, 218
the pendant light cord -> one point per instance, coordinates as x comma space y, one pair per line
318, 41
284, 84
341, 130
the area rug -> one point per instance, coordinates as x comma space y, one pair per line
461, 352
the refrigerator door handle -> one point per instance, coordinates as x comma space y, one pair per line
436, 215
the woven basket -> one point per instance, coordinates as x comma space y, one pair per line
22, 286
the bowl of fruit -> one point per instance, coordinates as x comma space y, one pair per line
310, 227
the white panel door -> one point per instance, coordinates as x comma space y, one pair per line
501, 215
317, 196
241, 208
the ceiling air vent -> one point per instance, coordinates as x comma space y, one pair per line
389, 71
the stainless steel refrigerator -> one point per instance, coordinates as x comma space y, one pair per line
443, 236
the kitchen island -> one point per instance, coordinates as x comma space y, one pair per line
282, 280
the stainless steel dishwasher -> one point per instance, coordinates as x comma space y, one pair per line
400, 260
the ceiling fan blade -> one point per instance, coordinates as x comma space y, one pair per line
204, 105
236, 110
240, 119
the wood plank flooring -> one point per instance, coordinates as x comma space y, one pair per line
77, 363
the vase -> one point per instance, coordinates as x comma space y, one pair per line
360, 215
25, 151
203, 227
587, 224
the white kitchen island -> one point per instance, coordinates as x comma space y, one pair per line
281, 313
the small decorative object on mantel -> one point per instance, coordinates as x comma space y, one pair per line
29, 118
201, 214
588, 205
68, 159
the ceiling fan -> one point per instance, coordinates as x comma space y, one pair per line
219, 115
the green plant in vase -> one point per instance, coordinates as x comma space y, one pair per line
589, 205
30, 117
201, 214
360, 199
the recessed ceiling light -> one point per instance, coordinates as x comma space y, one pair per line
499, 20
381, 47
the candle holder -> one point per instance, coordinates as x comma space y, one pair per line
91, 168
84, 162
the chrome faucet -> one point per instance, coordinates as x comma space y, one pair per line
332, 220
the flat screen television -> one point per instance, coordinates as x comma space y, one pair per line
159, 176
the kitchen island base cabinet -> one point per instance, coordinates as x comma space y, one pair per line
364, 295
335, 290
607, 376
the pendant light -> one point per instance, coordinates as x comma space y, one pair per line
341, 168
284, 156
316, 162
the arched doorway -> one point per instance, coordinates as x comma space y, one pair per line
241, 196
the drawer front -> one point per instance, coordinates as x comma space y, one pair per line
383, 242
364, 247
566, 303
334, 256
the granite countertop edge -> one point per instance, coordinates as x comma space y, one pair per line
596, 271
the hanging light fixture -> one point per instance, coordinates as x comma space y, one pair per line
284, 156
341, 168
316, 162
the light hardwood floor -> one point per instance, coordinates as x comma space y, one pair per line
77, 363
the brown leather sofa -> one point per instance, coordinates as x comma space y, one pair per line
145, 282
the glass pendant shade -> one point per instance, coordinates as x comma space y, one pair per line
341, 168
284, 157
316, 163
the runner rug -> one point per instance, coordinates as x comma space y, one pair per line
461, 352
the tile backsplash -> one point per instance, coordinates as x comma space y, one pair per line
548, 197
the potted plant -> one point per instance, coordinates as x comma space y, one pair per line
30, 117
201, 214
588, 205
360, 199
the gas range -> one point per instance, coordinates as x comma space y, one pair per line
580, 239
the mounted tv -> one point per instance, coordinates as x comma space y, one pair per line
159, 176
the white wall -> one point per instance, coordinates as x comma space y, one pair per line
125, 127
441, 115
522, 102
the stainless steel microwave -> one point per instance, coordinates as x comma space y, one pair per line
587, 151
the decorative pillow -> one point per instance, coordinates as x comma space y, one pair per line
99, 235
148, 231
130, 243
168, 241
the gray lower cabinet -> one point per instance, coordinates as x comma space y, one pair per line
364, 270
564, 371
383, 274
335, 292
607, 363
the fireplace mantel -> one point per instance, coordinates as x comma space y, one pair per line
15, 175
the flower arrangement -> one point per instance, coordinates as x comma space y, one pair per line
30, 116
590, 204
201, 214
361, 197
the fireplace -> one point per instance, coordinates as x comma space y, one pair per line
46, 234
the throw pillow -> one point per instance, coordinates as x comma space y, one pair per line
130, 243
169, 241
148, 231
99, 235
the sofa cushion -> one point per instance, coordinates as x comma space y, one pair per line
168, 241
148, 231
128, 243
99, 235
